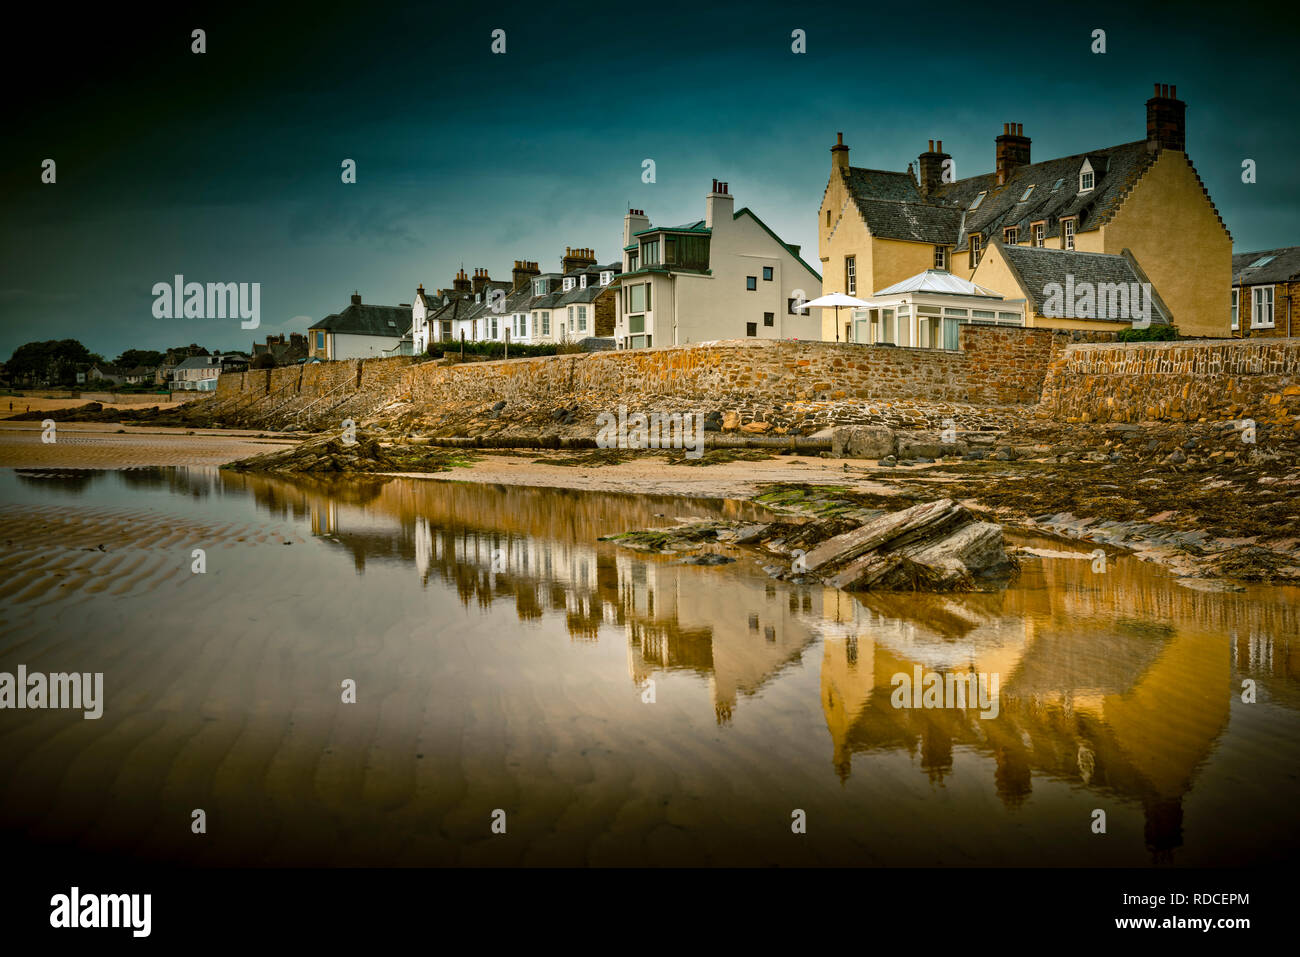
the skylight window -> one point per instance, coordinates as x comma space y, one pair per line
1025, 195
1263, 261
1058, 184
978, 199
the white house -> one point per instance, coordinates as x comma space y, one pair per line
197, 373
532, 308
727, 276
361, 331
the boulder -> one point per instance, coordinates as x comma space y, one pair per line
863, 442
936, 546
923, 447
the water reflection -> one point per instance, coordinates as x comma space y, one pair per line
1121, 686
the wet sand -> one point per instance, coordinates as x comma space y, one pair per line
654, 475
39, 404
518, 685
94, 445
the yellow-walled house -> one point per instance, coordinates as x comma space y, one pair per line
878, 227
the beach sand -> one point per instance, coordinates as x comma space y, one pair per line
38, 404
94, 445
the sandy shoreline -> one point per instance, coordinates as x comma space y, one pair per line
96, 445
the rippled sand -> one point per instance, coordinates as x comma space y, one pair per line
98, 446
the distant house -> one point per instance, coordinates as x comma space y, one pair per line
105, 372
361, 331
234, 362
141, 375
284, 352
1263, 285
197, 373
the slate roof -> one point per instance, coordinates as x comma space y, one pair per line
1284, 267
1036, 267
893, 207
200, 362
577, 294
367, 320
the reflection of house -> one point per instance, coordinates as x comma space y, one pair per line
1135, 705
738, 631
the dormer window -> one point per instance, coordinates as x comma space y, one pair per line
582, 282
606, 277
979, 198
1087, 177
478, 297
568, 283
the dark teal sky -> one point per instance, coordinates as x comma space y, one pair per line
225, 167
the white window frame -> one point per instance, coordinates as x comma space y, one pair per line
940, 257
850, 275
974, 250
1067, 233
1236, 308
1040, 235
1256, 307
1087, 181
1011, 235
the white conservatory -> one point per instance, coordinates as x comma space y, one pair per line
926, 310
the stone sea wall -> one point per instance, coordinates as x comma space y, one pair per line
997, 366
1212, 380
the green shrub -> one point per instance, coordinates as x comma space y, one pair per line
1163, 333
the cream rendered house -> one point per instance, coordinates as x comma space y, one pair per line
726, 276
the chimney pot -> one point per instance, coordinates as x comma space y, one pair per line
1173, 92
1157, 92
938, 146
931, 147
839, 139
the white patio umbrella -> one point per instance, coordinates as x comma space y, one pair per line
835, 299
